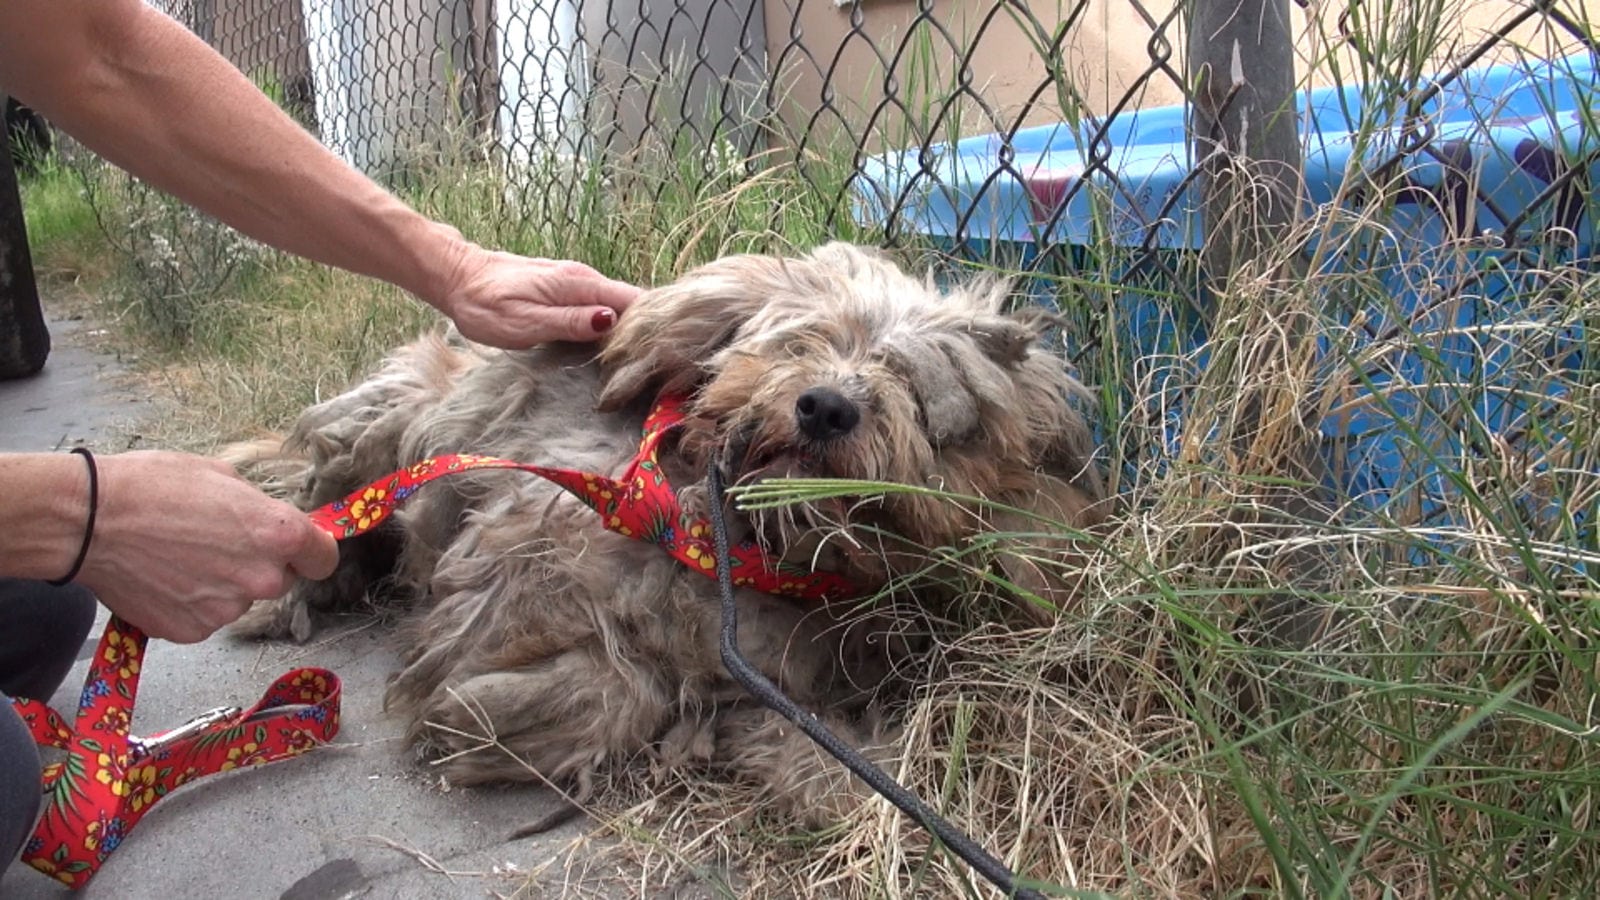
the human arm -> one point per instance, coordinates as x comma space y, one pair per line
181, 545
149, 96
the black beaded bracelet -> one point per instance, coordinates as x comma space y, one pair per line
88, 528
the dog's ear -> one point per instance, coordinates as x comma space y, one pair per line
1004, 339
662, 342
1007, 337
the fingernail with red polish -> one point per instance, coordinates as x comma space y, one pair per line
603, 320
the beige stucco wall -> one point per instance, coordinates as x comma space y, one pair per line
1106, 55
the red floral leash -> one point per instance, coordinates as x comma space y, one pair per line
111, 779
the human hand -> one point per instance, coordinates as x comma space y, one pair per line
183, 545
515, 302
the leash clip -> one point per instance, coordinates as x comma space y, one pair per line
140, 747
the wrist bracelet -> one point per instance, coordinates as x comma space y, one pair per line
88, 528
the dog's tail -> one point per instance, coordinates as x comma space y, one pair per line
271, 463
268, 449
350, 439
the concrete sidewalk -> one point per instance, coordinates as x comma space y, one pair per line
330, 824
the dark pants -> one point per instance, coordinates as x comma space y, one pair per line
42, 628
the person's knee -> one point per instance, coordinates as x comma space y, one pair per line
20, 783
78, 606
42, 628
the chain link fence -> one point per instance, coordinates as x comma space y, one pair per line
1002, 130
1447, 150
387, 82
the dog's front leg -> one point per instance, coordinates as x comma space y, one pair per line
557, 719
801, 779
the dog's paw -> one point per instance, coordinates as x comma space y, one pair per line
695, 500
285, 618
689, 742
798, 777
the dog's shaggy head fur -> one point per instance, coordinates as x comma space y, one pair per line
840, 365
574, 646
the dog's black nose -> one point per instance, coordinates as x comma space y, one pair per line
824, 414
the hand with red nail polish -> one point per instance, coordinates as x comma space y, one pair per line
511, 301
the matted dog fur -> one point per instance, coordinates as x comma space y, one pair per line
573, 646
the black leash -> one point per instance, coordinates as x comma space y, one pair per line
764, 690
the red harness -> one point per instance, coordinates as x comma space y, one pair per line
639, 504
110, 779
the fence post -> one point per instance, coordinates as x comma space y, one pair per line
1245, 137
24, 338
1246, 142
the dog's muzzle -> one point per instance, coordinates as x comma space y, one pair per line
823, 414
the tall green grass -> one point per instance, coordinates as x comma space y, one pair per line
63, 233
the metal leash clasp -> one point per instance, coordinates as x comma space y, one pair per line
140, 747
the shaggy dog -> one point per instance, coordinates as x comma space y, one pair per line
572, 645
